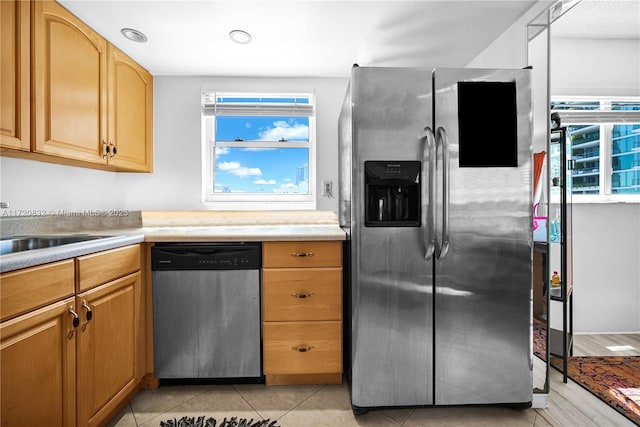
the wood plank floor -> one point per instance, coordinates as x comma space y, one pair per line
606, 345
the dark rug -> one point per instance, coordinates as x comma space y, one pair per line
613, 379
211, 422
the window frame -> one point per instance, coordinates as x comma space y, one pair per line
606, 119
256, 201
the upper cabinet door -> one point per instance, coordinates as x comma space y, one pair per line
130, 114
69, 71
14, 75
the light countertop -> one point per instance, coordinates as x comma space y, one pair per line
171, 226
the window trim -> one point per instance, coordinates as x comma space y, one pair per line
255, 201
606, 118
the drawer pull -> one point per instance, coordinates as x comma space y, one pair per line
302, 295
302, 348
302, 254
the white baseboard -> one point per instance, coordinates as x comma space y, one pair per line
539, 400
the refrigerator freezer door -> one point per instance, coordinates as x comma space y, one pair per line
392, 283
484, 238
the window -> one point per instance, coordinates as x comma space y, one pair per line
605, 147
259, 150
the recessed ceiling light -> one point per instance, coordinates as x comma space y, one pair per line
134, 35
240, 36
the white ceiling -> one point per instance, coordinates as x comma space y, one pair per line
302, 38
324, 38
600, 19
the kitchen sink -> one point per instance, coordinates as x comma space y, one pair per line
9, 245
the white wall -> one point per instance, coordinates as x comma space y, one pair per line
606, 237
605, 67
31, 185
510, 49
606, 264
176, 180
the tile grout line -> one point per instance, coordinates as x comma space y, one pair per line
248, 403
301, 402
167, 410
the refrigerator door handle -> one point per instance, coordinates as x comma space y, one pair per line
442, 139
428, 193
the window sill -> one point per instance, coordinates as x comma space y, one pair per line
606, 199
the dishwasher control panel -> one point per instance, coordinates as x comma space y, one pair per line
206, 256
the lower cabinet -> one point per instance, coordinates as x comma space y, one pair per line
74, 362
106, 348
38, 366
302, 312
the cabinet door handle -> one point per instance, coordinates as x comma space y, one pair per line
76, 318
114, 150
76, 322
302, 348
302, 254
302, 295
89, 313
105, 150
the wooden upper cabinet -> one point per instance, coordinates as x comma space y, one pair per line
70, 81
130, 113
15, 75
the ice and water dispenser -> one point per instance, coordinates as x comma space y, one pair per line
392, 193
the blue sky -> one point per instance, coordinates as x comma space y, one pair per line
258, 170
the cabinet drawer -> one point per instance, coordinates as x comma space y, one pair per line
302, 347
302, 294
30, 288
302, 254
102, 267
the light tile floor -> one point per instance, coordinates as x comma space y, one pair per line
329, 405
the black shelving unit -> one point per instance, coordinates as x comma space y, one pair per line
560, 243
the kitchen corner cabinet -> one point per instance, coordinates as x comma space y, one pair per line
15, 76
302, 312
91, 103
75, 361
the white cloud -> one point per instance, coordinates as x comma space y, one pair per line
290, 187
291, 131
243, 172
227, 166
238, 170
264, 182
221, 151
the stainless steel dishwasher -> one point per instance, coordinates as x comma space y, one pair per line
206, 310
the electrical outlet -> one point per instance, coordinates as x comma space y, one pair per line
327, 189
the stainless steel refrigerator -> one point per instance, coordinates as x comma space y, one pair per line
436, 199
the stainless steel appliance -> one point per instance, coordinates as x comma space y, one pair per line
435, 195
206, 310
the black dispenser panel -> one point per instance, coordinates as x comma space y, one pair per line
392, 193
